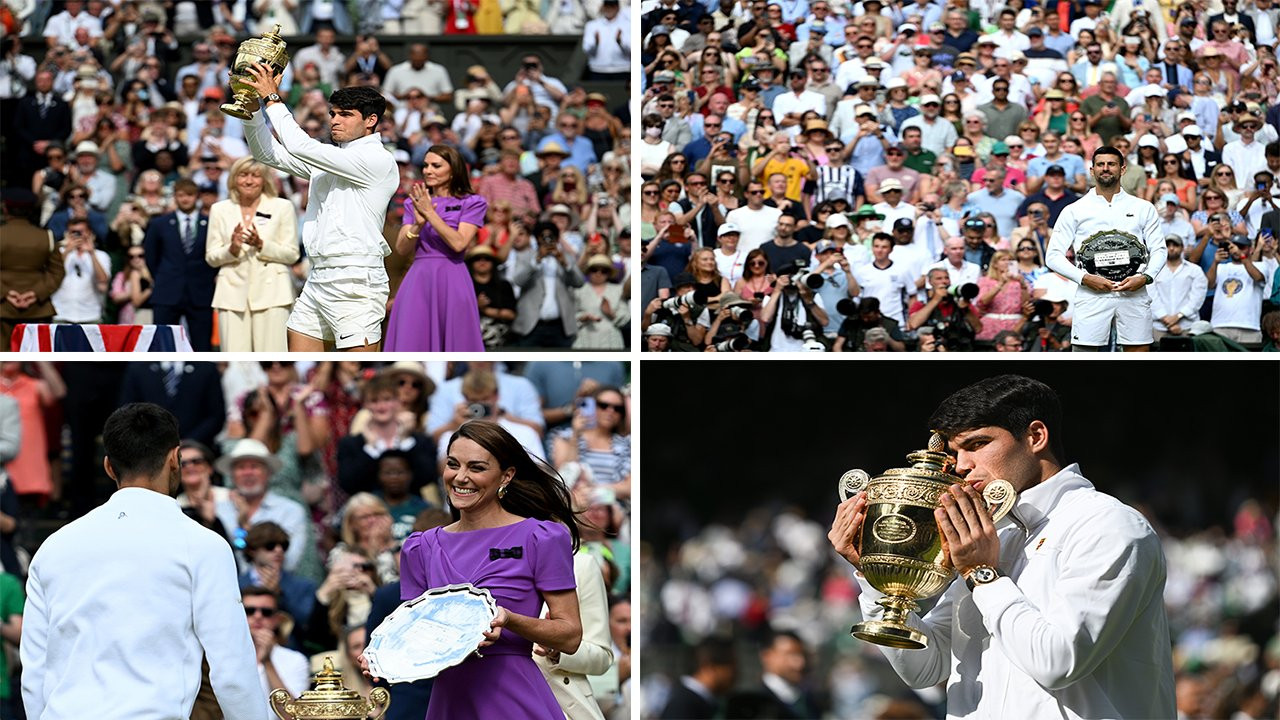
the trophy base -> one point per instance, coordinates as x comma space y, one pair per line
890, 634
235, 111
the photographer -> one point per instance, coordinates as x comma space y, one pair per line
1260, 200
952, 315
790, 312
657, 338
1044, 330
864, 316
683, 312
544, 320
80, 297
734, 319
838, 282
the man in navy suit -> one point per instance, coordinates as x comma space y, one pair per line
41, 118
183, 280
191, 391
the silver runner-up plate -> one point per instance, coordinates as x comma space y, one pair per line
1112, 254
436, 630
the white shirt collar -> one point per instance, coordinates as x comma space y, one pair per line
785, 691
1036, 503
697, 687
370, 138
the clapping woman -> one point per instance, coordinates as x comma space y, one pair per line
503, 500
253, 241
435, 308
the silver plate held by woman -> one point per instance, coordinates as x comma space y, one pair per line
436, 630
1112, 254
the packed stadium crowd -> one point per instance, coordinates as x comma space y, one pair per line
883, 175
731, 602
159, 213
315, 474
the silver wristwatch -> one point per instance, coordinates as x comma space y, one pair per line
982, 575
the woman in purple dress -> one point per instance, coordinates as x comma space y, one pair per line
515, 536
435, 307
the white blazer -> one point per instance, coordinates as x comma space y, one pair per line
255, 279
568, 677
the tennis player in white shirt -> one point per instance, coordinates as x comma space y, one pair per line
123, 603
344, 301
1100, 303
1058, 609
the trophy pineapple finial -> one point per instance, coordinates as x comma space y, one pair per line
937, 443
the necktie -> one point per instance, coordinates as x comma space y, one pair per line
1171, 73
188, 238
44, 106
171, 377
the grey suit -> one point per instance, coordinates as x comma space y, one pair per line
528, 277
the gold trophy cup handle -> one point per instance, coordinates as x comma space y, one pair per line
852, 483
380, 700
1000, 497
277, 701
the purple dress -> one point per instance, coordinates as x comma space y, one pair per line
435, 307
505, 683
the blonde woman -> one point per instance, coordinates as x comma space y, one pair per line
366, 531
253, 240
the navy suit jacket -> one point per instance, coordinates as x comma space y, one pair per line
199, 405
180, 279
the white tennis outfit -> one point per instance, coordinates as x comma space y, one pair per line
1094, 312
345, 298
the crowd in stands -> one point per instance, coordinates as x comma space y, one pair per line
114, 144
732, 589
828, 175
315, 473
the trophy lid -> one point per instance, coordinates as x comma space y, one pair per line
274, 35
935, 458
328, 687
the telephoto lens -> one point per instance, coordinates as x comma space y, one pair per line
735, 343
740, 314
968, 291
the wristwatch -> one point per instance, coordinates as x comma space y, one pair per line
273, 97
982, 575
1150, 280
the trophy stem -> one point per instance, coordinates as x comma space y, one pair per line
892, 629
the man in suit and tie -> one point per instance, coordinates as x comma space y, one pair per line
698, 695
542, 319
784, 661
191, 391
42, 117
1173, 69
184, 282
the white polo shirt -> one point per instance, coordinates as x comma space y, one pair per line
1092, 213
1178, 291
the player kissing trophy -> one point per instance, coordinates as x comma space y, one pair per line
268, 49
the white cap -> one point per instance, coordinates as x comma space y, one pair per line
1153, 91
1149, 140
930, 98
890, 184
659, 328
1192, 130
896, 82
838, 220
727, 228
863, 110
1175, 144
1186, 115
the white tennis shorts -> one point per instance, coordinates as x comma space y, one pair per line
1095, 313
342, 305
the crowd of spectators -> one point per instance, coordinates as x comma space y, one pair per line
315, 473
775, 571
114, 142
835, 157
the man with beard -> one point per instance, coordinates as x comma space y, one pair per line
1178, 294
1101, 303
135, 590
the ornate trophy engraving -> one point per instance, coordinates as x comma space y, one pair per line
329, 700
900, 544
269, 49
1113, 254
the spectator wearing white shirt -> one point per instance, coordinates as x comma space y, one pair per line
755, 220
885, 280
1238, 286
1177, 294
278, 666
606, 40
61, 28
79, 299
961, 271
1245, 155
328, 58
790, 107
419, 72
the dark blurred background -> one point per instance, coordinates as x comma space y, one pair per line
741, 461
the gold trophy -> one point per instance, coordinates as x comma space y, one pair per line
329, 699
267, 49
900, 544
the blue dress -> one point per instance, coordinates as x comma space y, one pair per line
435, 308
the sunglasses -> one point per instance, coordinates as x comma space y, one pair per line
755, 192
136, 256
78, 196
610, 406
191, 461
600, 270
250, 611
408, 382
273, 364
274, 545
1028, 247
648, 193
758, 263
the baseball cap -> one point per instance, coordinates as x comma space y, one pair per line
1170, 198
1200, 327
1055, 170
895, 82
1148, 140
1186, 115
962, 151
660, 329
838, 220
818, 28
727, 228
999, 148
1055, 94
214, 93
904, 224
863, 110
1173, 238
825, 246
663, 76
1034, 30
987, 40
1241, 240
682, 279
560, 209
890, 184
87, 147
930, 99
1192, 130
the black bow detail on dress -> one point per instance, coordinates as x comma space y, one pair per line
499, 553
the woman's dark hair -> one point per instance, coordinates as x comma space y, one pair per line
746, 264
621, 414
1010, 402
1182, 172
1109, 150
652, 120
459, 175
361, 98
138, 438
536, 491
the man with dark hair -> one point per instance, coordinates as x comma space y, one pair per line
344, 301
175, 253
698, 694
1099, 303
784, 662
277, 666
136, 591
1060, 605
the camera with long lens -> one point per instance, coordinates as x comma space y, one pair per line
734, 343
968, 291
740, 314
478, 410
800, 274
811, 342
847, 307
1042, 309
695, 298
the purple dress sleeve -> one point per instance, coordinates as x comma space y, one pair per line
408, 212
413, 556
474, 208
553, 557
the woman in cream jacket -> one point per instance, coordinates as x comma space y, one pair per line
253, 240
